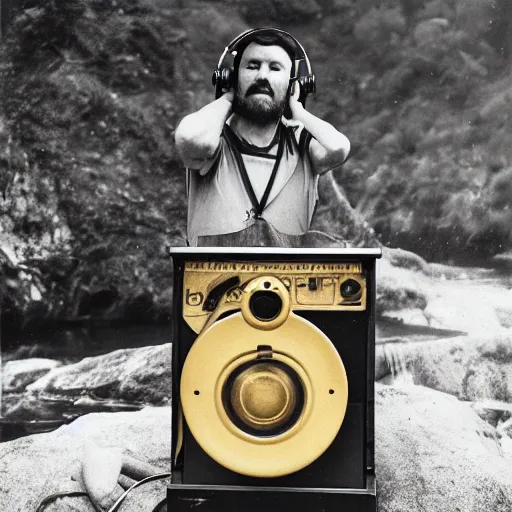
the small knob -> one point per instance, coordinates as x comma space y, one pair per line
350, 288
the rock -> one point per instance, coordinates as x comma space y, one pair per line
430, 30
465, 314
505, 428
411, 316
144, 434
382, 368
405, 259
140, 374
494, 405
126, 379
18, 374
493, 412
399, 289
488, 415
433, 453
506, 445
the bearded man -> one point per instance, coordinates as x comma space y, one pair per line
254, 155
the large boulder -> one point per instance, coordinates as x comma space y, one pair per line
37, 466
120, 380
433, 453
141, 374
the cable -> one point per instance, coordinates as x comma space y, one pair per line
51, 497
115, 507
45, 501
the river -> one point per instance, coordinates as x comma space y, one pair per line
476, 294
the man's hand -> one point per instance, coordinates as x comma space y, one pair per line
229, 95
295, 105
329, 148
108, 472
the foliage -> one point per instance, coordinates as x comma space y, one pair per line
90, 193
91, 188
379, 27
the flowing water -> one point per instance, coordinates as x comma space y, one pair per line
396, 360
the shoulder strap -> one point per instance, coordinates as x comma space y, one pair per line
280, 150
258, 206
304, 140
234, 142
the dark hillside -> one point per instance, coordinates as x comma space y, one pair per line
91, 189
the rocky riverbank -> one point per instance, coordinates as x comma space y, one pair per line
433, 452
42, 391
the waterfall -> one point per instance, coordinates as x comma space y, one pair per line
395, 355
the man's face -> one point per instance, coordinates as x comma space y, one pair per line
263, 79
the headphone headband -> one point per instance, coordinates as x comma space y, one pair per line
223, 76
231, 47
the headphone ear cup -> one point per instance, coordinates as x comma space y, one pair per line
308, 84
222, 78
227, 78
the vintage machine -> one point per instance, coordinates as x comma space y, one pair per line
273, 380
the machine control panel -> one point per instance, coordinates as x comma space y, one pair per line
312, 286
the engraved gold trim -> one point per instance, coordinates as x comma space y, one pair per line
200, 278
298, 343
235, 267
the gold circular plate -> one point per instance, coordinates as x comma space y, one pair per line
297, 343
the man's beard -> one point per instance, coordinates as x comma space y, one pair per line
257, 111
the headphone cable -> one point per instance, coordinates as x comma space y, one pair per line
151, 478
52, 497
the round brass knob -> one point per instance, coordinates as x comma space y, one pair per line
263, 396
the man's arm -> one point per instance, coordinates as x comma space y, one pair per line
329, 147
197, 136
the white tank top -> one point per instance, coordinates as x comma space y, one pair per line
220, 202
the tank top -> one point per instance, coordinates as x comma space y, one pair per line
222, 201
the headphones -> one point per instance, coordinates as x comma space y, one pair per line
223, 76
